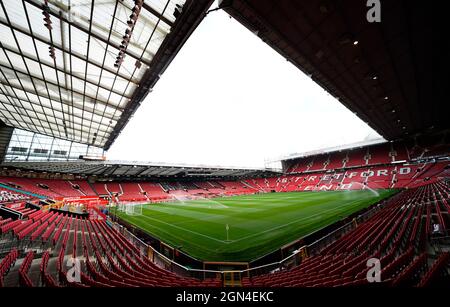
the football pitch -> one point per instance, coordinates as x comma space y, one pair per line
257, 224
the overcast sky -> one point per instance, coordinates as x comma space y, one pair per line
229, 99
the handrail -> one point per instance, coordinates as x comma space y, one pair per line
164, 257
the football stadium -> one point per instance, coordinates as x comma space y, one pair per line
75, 74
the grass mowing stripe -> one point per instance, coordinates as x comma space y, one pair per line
184, 229
164, 230
258, 223
293, 222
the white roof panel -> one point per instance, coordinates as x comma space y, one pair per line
69, 68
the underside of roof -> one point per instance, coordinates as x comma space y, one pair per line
78, 69
382, 71
123, 169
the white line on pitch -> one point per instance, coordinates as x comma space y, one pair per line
281, 226
181, 228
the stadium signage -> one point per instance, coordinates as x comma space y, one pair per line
378, 173
328, 187
347, 186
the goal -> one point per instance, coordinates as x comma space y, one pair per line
130, 209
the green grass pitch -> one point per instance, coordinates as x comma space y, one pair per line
258, 224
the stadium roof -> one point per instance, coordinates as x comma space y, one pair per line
365, 143
382, 71
111, 169
78, 69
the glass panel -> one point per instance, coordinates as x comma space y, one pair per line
29, 146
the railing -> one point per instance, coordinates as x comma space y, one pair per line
161, 260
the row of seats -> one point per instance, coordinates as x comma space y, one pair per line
378, 177
396, 234
374, 177
434, 273
21, 209
35, 186
24, 279
7, 263
384, 153
132, 192
109, 258
29, 226
7, 196
51, 188
372, 155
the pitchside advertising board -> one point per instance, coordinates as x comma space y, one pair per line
86, 200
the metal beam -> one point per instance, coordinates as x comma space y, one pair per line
107, 103
64, 71
56, 117
90, 33
158, 15
63, 50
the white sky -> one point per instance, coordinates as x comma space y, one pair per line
229, 99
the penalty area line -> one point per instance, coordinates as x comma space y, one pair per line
184, 229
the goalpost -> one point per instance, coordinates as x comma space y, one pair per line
134, 209
130, 208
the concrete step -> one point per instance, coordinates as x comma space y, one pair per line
34, 273
11, 279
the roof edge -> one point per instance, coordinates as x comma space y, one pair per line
193, 13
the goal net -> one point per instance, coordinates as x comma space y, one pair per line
130, 209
